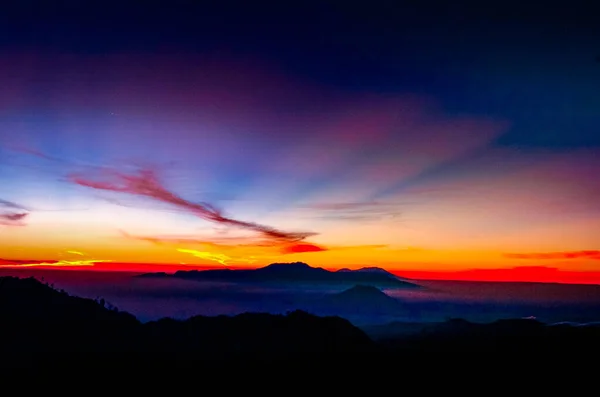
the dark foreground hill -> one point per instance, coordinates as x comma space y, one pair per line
35, 318
515, 337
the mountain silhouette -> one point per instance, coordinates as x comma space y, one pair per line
371, 269
361, 298
362, 293
38, 318
39, 322
293, 273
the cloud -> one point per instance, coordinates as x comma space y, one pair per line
302, 248
80, 262
588, 254
12, 214
214, 243
289, 141
51, 263
145, 183
217, 257
16, 262
246, 244
352, 211
252, 246
10, 204
230, 250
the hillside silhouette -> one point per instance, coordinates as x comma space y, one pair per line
514, 337
38, 319
294, 273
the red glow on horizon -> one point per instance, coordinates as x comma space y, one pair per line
300, 248
535, 274
114, 267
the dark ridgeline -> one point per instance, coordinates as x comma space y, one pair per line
37, 319
519, 338
295, 273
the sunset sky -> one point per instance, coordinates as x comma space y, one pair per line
425, 149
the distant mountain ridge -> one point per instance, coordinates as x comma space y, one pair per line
362, 298
372, 269
40, 324
297, 272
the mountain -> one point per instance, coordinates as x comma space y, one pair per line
294, 273
41, 325
36, 318
361, 298
371, 269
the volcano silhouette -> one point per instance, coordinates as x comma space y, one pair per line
362, 298
372, 270
294, 273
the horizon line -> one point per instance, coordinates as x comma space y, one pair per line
527, 274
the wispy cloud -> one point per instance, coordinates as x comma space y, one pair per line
352, 211
301, 248
588, 254
145, 183
226, 244
53, 263
260, 247
12, 214
216, 257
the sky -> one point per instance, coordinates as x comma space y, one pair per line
425, 139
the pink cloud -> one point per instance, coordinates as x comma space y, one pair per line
12, 214
145, 183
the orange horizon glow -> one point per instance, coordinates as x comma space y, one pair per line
139, 255
222, 177
536, 274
